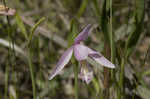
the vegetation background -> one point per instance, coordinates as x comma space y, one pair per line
32, 41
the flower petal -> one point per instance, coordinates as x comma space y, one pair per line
6, 11
62, 62
86, 72
80, 52
83, 35
98, 57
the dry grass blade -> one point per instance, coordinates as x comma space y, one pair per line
16, 48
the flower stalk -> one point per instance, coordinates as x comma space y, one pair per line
76, 80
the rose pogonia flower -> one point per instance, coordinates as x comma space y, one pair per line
6, 11
81, 53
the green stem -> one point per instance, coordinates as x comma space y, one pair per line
111, 35
76, 80
10, 53
31, 72
121, 84
6, 80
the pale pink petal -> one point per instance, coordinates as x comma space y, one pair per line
99, 58
83, 35
80, 52
9, 12
62, 62
86, 72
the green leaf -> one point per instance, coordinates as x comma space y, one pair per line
82, 8
140, 5
34, 28
97, 9
104, 21
136, 28
21, 25
73, 32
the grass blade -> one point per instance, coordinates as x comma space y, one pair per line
21, 25
34, 28
30, 56
82, 8
137, 27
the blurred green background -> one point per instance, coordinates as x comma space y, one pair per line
32, 41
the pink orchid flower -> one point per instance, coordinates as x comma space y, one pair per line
7, 11
81, 53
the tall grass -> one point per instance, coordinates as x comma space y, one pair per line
30, 57
29, 47
11, 53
